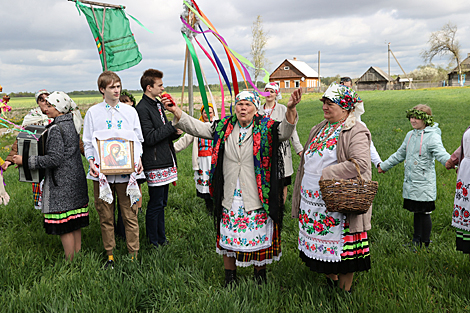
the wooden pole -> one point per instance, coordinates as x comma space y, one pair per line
406, 76
388, 84
191, 17
101, 32
184, 75
101, 4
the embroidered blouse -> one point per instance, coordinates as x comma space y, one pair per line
102, 116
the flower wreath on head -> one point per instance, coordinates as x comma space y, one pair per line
127, 93
420, 115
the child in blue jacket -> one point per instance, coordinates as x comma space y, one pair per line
421, 146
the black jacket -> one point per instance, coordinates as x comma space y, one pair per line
158, 137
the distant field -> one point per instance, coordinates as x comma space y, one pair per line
188, 275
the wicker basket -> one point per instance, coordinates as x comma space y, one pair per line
348, 196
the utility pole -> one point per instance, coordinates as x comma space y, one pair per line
388, 84
319, 79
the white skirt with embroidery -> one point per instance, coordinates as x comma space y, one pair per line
201, 176
245, 231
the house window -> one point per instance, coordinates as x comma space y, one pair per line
286, 84
286, 68
297, 83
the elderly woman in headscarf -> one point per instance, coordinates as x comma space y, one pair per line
277, 111
201, 158
65, 192
330, 242
246, 180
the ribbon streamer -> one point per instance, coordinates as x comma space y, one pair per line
220, 82
239, 57
197, 69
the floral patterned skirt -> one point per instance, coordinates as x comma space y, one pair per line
201, 176
60, 223
257, 258
461, 213
355, 256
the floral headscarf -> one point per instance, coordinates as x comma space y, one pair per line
343, 96
274, 86
201, 118
41, 92
64, 104
251, 96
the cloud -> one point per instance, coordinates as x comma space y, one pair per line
51, 46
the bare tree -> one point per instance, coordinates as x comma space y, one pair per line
260, 38
443, 42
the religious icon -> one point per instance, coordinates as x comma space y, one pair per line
117, 156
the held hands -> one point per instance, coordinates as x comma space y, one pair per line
450, 164
5, 165
381, 171
295, 98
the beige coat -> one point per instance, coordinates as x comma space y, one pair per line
353, 142
183, 143
238, 160
278, 114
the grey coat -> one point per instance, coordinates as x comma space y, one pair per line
65, 186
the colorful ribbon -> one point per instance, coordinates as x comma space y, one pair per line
206, 108
197, 69
239, 57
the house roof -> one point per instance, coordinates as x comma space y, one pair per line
303, 67
465, 64
379, 71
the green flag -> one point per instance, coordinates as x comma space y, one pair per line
120, 47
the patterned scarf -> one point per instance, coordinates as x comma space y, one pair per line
265, 141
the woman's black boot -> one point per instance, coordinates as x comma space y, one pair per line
260, 276
230, 277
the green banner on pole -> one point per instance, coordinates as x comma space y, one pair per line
120, 48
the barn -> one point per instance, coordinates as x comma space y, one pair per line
291, 74
373, 79
453, 76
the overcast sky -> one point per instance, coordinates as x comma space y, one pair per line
46, 44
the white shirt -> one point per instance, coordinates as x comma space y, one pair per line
102, 116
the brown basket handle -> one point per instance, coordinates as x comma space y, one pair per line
359, 176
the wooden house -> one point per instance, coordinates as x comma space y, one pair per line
373, 79
294, 74
453, 76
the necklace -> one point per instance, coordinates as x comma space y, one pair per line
243, 132
270, 110
326, 138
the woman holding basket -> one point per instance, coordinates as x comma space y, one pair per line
333, 243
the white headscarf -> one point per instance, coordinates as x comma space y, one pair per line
274, 86
64, 104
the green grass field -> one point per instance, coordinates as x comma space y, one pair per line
188, 276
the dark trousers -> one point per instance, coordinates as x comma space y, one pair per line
422, 228
155, 216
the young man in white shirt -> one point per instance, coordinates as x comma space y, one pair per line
117, 118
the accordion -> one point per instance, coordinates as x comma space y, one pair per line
29, 146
